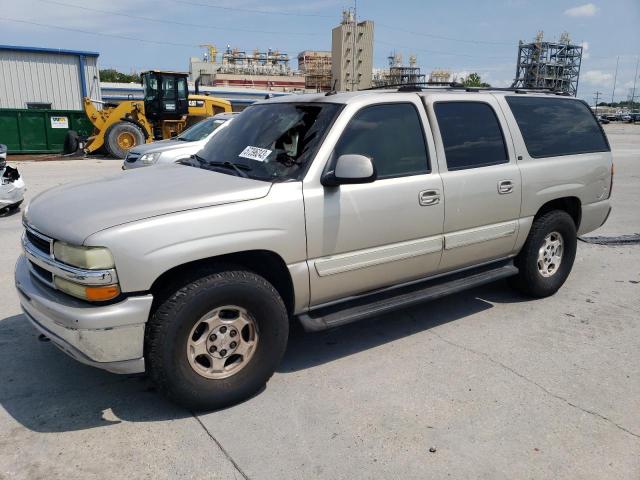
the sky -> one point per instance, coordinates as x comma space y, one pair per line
462, 36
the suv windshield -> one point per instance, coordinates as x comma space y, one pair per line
201, 129
272, 141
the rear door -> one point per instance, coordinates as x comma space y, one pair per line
480, 177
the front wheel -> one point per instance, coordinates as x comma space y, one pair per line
547, 256
217, 340
122, 137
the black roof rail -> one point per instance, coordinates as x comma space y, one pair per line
410, 87
419, 86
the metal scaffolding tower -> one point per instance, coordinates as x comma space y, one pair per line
398, 74
550, 65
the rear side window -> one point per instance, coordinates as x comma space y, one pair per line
391, 135
557, 126
471, 135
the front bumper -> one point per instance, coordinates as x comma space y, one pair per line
110, 337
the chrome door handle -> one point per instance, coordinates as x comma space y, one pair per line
505, 186
429, 197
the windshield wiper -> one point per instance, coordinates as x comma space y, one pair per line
239, 168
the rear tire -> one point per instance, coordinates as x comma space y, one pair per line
188, 374
122, 137
71, 142
547, 256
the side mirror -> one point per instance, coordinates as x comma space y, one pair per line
350, 169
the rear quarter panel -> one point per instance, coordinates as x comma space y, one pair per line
585, 176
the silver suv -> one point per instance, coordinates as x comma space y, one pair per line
323, 209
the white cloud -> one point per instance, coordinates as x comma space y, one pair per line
586, 10
597, 77
585, 50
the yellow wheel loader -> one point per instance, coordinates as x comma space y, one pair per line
166, 110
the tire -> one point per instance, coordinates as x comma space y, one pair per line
122, 137
177, 320
544, 280
71, 142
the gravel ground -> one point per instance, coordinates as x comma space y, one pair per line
497, 385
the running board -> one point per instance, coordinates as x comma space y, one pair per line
387, 301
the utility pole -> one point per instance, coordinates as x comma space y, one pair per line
615, 78
353, 52
633, 92
596, 98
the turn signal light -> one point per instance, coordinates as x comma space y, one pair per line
101, 294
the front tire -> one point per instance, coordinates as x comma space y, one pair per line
217, 340
122, 137
547, 256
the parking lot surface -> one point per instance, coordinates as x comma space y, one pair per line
483, 384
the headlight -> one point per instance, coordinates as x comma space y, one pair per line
90, 293
149, 158
91, 258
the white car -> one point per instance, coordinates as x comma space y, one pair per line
12, 186
184, 145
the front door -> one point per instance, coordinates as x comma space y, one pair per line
481, 179
364, 237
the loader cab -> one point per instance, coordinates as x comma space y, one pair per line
165, 95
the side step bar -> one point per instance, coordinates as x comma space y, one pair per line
387, 301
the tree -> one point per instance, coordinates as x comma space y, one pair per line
474, 80
112, 75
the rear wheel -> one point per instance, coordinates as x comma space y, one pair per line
547, 256
122, 137
71, 142
217, 340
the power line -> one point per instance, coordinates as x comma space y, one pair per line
112, 35
251, 10
171, 22
439, 37
434, 52
102, 34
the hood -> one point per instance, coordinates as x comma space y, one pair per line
74, 211
162, 146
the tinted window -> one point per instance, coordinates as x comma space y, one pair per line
557, 126
471, 135
391, 135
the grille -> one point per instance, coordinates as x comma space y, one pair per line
40, 243
44, 274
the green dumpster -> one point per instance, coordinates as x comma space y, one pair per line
40, 131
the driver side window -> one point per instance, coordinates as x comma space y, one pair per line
391, 135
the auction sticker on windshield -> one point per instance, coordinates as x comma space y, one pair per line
255, 153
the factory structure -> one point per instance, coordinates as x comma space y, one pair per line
550, 65
315, 65
397, 73
352, 53
262, 69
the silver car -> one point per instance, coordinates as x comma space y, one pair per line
184, 145
323, 209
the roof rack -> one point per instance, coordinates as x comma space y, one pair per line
419, 86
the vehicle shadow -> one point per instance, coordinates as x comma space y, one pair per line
46, 391
310, 350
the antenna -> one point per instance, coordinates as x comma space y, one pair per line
615, 79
